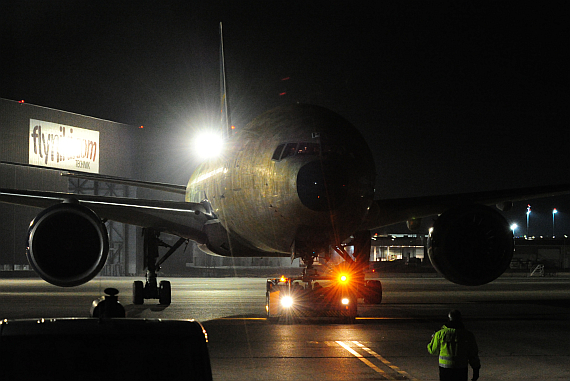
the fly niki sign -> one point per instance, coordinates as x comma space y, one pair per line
66, 147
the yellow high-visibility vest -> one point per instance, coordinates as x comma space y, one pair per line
456, 348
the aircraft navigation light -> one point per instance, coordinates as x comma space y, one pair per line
208, 144
287, 301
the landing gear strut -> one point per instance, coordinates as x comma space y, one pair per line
370, 290
151, 289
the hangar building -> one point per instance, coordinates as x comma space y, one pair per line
48, 138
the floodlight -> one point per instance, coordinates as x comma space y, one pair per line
208, 144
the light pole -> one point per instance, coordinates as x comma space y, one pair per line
527, 218
513, 228
554, 211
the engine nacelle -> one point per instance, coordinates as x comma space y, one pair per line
471, 245
67, 244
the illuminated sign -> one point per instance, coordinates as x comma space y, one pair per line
66, 147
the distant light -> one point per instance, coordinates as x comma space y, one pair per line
285, 79
343, 278
208, 144
554, 211
514, 227
283, 93
141, 127
21, 102
345, 301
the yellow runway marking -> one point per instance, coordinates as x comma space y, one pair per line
398, 373
365, 360
386, 362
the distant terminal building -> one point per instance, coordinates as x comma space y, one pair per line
398, 247
54, 141
553, 253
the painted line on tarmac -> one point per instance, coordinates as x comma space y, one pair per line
386, 362
365, 360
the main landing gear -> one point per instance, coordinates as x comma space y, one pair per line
151, 289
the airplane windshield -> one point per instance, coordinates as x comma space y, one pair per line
291, 149
277, 153
308, 149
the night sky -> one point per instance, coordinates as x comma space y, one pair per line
451, 96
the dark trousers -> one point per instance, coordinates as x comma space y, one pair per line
449, 374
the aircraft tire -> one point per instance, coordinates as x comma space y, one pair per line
138, 292
164, 293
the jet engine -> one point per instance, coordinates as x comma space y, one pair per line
67, 244
471, 245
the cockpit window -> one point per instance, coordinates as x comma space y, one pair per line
308, 149
278, 150
291, 149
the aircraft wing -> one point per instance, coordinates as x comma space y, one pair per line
392, 211
171, 188
184, 219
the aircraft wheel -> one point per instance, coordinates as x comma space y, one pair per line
164, 292
138, 292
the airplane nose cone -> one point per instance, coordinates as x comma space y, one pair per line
322, 185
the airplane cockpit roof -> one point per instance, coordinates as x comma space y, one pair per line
288, 149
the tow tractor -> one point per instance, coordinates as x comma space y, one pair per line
312, 295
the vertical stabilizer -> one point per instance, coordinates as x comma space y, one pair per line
225, 116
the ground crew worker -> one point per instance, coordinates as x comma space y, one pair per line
456, 348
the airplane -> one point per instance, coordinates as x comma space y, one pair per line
295, 182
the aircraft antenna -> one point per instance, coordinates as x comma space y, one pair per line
225, 116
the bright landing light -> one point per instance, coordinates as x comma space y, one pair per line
208, 144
